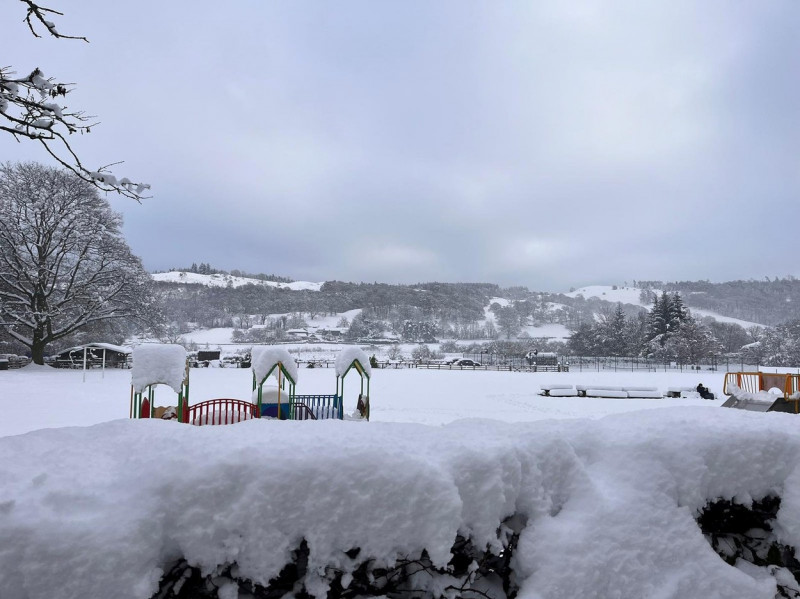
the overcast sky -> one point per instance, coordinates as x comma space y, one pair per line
549, 145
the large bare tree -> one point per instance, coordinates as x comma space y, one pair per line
32, 109
64, 263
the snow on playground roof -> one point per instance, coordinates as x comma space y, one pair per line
264, 358
155, 363
346, 357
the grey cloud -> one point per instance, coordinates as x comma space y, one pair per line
546, 144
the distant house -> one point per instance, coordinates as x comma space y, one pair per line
297, 334
207, 355
97, 354
332, 333
542, 358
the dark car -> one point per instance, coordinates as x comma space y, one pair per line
466, 362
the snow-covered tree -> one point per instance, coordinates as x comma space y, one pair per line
64, 264
613, 330
508, 320
666, 317
778, 346
32, 109
692, 342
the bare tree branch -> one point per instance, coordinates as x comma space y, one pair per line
37, 13
30, 108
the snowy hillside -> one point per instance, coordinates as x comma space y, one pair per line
228, 280
630, 295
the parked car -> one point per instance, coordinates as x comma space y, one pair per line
465, 362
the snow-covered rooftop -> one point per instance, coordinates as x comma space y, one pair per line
264, 358
158, 363
109, 346
346, 358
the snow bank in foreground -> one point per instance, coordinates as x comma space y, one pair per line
610, 504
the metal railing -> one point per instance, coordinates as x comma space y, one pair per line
221, 411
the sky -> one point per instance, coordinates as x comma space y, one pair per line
544, 144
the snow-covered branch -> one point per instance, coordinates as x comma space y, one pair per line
31, 108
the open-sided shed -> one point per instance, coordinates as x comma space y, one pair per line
94, 354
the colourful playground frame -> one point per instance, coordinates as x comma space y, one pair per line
364, 374
143, 402
230, 411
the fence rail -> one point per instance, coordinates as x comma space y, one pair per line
495, 362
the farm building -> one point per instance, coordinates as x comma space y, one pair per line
96, 355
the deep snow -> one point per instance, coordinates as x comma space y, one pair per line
610, 488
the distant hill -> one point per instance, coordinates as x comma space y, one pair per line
226, 280
195, 301
634, 296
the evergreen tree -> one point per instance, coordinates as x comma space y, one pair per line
616, 342
678, 312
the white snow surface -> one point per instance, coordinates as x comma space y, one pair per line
265, 357
348, 355
609, 487
219, 280
158, 363
83, 514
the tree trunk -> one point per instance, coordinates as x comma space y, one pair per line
38, 344
37, 352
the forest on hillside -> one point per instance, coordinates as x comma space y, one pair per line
768, 302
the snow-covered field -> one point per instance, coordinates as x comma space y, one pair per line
44, 397
607, 490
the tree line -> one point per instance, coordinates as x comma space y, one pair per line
667, 332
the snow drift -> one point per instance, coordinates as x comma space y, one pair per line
609, 506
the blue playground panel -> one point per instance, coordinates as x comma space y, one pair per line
271, 410
324, 407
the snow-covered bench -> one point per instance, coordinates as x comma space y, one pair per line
643, 392
618, 392
582, 389
557, 390
613, 393
570, 392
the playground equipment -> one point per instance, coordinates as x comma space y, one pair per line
762, 391
286, 404
277, 362
349, 358
155, 364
